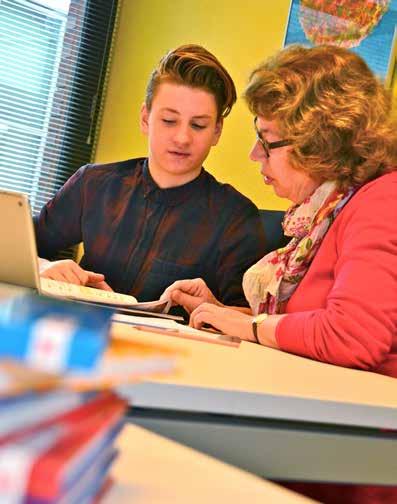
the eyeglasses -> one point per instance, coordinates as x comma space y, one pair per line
267, 146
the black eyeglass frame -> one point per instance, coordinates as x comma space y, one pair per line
268, 146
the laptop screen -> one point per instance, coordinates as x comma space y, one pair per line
18, 253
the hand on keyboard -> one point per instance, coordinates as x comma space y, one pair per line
101, 285
68, 271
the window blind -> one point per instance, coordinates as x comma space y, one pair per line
53, 56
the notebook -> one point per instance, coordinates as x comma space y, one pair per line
19, 263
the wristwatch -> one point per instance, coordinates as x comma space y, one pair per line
258, 319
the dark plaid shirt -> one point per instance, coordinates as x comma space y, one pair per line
143, 238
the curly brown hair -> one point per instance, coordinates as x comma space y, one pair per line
192, 65
332, 108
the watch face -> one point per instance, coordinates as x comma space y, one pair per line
260, 318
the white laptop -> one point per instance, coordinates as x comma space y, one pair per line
19, 263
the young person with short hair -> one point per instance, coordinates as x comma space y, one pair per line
147, 222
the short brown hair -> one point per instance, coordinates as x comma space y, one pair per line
193, 66
336, 113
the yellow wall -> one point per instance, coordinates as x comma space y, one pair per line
239, 33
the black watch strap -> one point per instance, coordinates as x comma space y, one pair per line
255, 322
255, 330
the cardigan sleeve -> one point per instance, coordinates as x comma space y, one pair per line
357, 325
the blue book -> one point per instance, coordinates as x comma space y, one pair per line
23, 412
53, 335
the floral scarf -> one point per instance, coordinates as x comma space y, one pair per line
270, 282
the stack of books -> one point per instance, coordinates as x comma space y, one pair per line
58, 415
56, 445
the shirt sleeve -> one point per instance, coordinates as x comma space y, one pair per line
356, 327
58, 225
241, 245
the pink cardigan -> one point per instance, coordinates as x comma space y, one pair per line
344, 311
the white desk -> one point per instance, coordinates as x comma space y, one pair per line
153, 470
274, 414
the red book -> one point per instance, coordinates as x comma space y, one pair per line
47, 460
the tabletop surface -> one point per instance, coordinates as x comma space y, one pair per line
153, 469
242, 380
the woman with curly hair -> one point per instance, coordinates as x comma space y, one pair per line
326, 140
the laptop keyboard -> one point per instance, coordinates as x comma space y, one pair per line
84, 293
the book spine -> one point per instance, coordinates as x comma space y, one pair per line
45, 461
30, 411
16, 462
73, 454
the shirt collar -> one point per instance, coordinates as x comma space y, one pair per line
173, 195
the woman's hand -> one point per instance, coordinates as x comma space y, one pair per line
68, 271
190, 294
234, 322
226, 320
